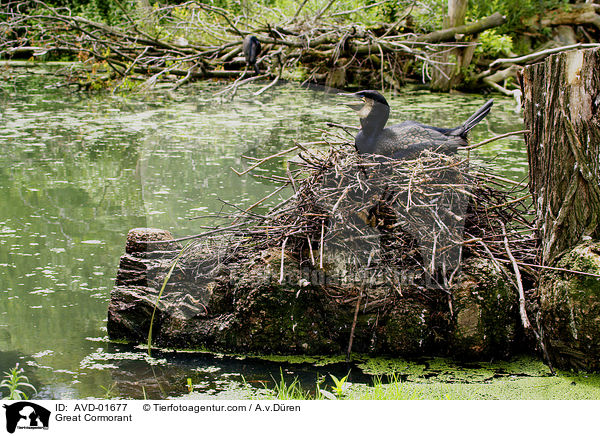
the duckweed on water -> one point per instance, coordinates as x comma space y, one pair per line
524, 378
378, 366
558, 387
312, 360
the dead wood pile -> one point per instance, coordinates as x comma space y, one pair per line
195, 40
176, 44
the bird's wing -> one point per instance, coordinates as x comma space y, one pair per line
409, 137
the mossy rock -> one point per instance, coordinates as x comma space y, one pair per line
486, 319
570, 310
407, 331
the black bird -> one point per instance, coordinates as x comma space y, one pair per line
251, 49
407, 139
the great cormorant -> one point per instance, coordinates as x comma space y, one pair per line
251, 49
407, 139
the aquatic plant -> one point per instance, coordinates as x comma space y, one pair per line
15, 381
393, 389
292, 391
339, 389
108, 391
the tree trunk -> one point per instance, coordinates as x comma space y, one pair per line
561, 109
446, 77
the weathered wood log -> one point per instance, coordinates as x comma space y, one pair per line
532, 57
561, 109
454, 33
575, 14
245, 307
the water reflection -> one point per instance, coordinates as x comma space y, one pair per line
78, 171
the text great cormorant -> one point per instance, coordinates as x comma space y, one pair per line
407, 139
251, 49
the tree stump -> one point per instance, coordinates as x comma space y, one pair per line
561, 105
561, 100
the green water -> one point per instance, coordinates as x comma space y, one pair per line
77, 171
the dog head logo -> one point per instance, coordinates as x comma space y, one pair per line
24, 414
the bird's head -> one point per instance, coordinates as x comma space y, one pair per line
369, 104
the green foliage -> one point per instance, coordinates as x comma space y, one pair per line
393, 389
108, 391
293, 391
107, 11
429, 15
515, 11
275, 10
15, 382
339, 390
493, 44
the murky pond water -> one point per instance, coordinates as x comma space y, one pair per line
78, 171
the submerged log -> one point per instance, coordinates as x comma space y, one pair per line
561, 108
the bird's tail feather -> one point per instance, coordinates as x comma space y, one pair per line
479, 115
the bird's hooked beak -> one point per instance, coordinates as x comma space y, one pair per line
357, 102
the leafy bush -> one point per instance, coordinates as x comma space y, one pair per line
107, 11
493, 44
515, 11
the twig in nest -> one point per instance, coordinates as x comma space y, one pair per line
262, 161
564, 270
354, 320
522, 311
281, 273
199, 235
259, 202
321, 244
495, 138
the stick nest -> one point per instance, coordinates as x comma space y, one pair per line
363, 220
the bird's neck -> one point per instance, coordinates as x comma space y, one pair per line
372, 125
375, 119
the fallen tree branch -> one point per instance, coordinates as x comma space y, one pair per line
539, 54
456, 33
